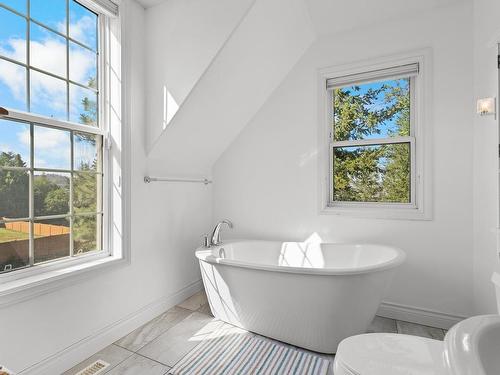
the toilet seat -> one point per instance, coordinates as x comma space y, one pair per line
389, 354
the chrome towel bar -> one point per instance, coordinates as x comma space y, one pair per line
148, 179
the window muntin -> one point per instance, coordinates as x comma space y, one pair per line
48, 59
51, 172
372, 140
54, 209
13, 30
17, 5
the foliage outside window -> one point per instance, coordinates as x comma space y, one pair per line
372, 140
51, 162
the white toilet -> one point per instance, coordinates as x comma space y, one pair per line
471, 347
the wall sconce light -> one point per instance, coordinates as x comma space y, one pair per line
486, 106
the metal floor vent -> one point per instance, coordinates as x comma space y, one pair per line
94, 368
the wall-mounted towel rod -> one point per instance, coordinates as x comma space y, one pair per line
148, 179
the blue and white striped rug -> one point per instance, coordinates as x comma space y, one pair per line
231, 351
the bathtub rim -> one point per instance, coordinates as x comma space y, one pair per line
205, 255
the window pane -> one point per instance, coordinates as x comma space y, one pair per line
14, 245
51, 239
12, 86
372, 110
14, 194
47, 50
82, 65
85, 192
12, 35
83, 105
51, 13
82, 25
51, 192
19, 5
48, 96
14, 144
378, 173
52, 148
85, 151
86, 233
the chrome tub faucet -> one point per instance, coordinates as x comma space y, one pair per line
216, 238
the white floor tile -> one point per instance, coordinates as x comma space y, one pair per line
137, 364
420, 330
172, 345
170, 336
205, 309
194, 302
135, 340
381, 324
112, 354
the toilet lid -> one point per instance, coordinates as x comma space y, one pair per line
390, 354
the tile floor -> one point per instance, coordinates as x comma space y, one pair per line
159, 344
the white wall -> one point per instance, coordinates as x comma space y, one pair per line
266, 181
166, 224
486, 37
252, 63
183, 36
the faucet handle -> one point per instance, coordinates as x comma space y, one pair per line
206, 241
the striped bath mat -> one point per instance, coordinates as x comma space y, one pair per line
232, 351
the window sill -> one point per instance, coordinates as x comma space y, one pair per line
22, 289
372, 212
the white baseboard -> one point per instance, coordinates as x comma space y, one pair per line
417, 315
81, 350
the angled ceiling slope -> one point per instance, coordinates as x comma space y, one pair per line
183, 37
333, 16
255, 59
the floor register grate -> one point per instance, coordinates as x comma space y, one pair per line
94, 368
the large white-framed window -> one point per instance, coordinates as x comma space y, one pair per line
58, 169
373, 138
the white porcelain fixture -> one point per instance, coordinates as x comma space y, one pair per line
471, 347
389, 354
305, 294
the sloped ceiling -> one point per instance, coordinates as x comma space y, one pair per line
254, 60
257, 56
183, 38
332, 16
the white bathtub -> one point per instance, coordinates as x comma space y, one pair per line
308, 295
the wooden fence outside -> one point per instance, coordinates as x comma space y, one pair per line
39, 229
46, 248
51, 242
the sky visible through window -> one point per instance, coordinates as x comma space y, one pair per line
389, 126
48, 95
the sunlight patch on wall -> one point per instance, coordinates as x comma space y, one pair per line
170, 107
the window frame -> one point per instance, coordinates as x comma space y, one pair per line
33, 275
419, 139
375, 142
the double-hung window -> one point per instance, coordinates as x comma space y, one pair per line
53, 163
375, 139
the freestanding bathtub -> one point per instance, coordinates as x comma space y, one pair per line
309, 295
